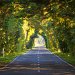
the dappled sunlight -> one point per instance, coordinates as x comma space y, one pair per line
27, 30
56, 52
25, 25
20, 67
37, 27
17, 8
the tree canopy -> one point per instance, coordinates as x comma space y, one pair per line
20, 20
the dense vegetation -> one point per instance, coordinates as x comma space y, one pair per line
21, 20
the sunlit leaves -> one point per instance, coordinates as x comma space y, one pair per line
22, 18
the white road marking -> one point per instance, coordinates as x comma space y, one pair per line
38, 67
38, 70
38, 57
38, 64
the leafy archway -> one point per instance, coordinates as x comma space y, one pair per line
54, 19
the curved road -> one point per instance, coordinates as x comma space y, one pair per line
38, 61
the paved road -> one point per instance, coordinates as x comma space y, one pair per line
38, 61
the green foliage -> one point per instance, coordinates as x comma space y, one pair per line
30, 44
9, 58
67, 57
21, 44
31, 41
59, 26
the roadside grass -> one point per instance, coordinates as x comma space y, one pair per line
8, 58
67, 57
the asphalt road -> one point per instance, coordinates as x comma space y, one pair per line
38, 61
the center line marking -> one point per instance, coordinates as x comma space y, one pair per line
38, 67
38, 70
38, 57
38, 64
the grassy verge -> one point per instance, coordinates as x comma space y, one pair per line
67, 57
8, 58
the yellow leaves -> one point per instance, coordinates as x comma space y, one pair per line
30, 33
71, 23
29, 6
59, 50
50, 19
44, 21
25, 22
47, 20
25, 25
26, 28
61, 20
40, 31
1, 29
17, 8
0, 11
67, 19
44, 8
45, 12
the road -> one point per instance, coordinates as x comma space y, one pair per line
38, 61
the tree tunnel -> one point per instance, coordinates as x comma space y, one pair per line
54, 19
38, 39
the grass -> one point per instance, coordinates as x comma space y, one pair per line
8, 58
67, 57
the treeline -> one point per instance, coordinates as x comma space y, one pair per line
21, 20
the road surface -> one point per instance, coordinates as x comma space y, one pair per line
38, 61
